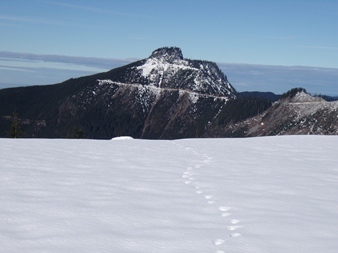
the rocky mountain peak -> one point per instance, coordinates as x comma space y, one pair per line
303, 97
167, 69
299, 95
168, 53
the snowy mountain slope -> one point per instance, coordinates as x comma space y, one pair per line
299, 113
166, 71
259, 195
167, 68
302, 114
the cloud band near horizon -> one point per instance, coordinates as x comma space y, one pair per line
24, 69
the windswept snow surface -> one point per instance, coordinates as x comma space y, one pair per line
259, 195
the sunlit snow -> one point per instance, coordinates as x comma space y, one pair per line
159, 64
259, 195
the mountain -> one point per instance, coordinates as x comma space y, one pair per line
296, 112
162, 96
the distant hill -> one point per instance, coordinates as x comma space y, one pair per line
329, 98
258, 94
296, 112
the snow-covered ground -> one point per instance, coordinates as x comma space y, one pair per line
259, 195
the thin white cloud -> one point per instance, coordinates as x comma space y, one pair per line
90, 62
8, 24
15, 20
12, 20
14, 69
317, 47
18, 19
93, 9
28, 69
24, 69
289, 37
280, 79
76, 6
137, 37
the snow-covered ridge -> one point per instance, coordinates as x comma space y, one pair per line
166, 67
303, 97
157, 90
298, 114
157, 66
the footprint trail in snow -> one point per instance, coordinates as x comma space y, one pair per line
190, 178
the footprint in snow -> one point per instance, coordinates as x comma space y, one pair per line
234, 221
235, 234
224, 208
232, 228
218, 242
206, 160
208, 197
199, 192
225, 214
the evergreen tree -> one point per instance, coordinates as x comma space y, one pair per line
15, 131
75, 133
291, 93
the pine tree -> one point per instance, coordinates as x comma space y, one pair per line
15, 131
75, 133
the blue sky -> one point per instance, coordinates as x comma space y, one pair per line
44, 41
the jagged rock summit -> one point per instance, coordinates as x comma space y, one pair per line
168, 53
166, 68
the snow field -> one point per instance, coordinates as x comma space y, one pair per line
271, 194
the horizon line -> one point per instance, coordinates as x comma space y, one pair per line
72, 59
